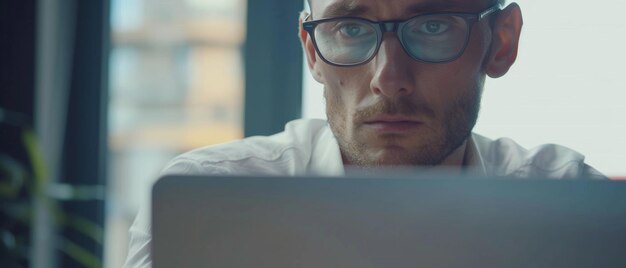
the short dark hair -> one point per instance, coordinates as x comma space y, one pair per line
501, 2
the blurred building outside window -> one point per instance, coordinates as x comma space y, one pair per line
176, 83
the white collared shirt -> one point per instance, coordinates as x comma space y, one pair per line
308, 146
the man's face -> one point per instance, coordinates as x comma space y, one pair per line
395, 110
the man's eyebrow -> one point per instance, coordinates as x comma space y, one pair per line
350, 8
429, 7
344, 9
439, 6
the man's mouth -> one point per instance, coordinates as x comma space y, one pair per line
393, 124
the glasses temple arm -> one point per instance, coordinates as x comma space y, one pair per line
489, 11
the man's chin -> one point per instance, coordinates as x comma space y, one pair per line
401, 157
397, 151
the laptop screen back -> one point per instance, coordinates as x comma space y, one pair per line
375, 222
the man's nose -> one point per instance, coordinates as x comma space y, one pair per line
393, 71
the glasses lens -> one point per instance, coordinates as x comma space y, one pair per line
346, 41
435, 38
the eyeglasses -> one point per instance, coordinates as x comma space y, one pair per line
431, 38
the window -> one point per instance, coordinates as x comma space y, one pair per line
176, 84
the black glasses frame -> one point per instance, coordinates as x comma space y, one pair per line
397, 26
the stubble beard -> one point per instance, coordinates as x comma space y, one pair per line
448, 133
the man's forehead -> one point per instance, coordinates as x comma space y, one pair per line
337, 8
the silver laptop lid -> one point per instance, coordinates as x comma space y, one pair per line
375, 222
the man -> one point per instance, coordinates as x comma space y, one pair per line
403, 82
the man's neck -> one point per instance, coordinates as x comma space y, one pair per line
456, 161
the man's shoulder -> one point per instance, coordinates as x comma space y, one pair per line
286, 152
506, 157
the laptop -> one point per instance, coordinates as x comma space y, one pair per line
227, 221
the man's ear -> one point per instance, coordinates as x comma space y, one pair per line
309, 50
505, 41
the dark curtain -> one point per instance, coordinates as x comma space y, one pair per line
53, 88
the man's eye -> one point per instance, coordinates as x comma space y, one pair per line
353, 30
433, 27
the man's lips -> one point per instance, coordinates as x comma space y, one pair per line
393, 124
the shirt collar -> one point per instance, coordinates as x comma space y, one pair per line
326, 157
475, 161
